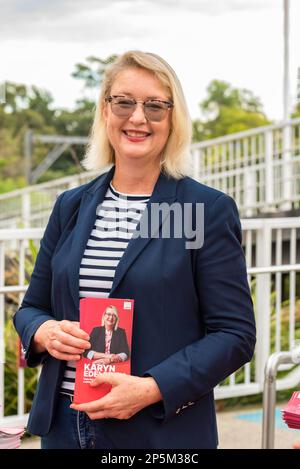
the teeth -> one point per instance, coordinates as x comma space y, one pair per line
136, 134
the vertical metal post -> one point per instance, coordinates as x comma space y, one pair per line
287, 168
28, 144
250, 198
287, 140
26, 209
196, 155
269, 168
263, 289
286, 59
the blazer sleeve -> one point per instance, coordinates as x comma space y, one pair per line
36, 305
226, 305
124, 348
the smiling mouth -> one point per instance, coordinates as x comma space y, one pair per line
133, 134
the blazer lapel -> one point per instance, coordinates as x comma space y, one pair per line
164, 191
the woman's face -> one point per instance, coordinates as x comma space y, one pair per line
110, 318
141, 85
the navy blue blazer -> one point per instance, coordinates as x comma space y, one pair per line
193, 320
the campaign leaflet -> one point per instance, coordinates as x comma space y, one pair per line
291, 412
108, 321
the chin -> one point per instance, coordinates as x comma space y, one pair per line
135, 155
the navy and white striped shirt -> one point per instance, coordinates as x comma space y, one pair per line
116, 221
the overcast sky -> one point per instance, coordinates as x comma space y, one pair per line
240, 41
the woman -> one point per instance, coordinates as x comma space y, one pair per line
108, 342
193, 321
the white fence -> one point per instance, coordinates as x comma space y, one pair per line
259, 168
274, 276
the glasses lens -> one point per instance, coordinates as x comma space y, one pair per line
155, 111
122, 107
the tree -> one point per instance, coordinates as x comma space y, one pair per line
227, 110
92, 74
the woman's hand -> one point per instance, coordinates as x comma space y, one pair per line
128, 396
64, 340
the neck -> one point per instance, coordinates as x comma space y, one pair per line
134, 178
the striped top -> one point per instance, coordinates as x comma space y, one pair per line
116, 221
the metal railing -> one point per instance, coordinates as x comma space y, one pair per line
259, 168
273, 272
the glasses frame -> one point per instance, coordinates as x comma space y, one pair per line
169, 104
111, 315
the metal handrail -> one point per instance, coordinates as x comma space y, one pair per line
269, 395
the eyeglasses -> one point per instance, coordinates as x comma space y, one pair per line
111, 315
155, 110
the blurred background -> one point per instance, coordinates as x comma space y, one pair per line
227, 54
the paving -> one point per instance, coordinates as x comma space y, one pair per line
238, 429
243, 430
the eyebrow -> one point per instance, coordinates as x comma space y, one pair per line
126, 93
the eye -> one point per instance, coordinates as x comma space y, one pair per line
124, 103
154, 105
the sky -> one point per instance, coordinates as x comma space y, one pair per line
239, 41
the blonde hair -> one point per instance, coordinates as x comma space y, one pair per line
176, 154
116, 314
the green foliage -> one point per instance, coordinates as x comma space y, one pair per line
227, 110
92, 72
31, 107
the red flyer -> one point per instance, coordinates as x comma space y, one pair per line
291, 412
108, 321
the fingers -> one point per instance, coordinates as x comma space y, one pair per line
72, 328
110, 378
124, 415
97, 415
101, 405
60, 347
67, 339
64, 356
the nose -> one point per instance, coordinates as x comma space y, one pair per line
138, 116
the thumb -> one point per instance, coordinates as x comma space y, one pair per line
110, 378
